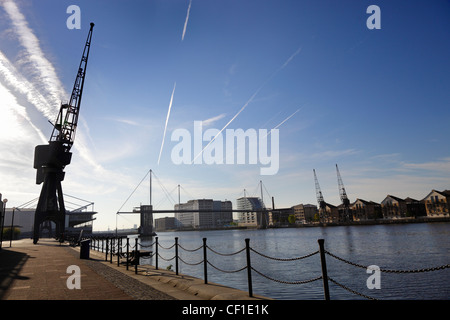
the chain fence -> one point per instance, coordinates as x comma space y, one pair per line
131, 254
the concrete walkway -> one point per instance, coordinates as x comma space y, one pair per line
40, 272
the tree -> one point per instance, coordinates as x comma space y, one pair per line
7, 233
291, 219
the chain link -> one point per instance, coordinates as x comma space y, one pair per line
234, 271
189, 250
287, 259
387, 270
165, 247
286, 282
226, 254
190, 264
165, 258
350, 290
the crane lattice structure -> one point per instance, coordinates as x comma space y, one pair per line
346, 216
51, 159
320, 200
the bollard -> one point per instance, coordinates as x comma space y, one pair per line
249, 268
156, 253
205, 262
176, 255
323, 262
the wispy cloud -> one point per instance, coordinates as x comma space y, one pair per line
442, 165
45, 77
167, 121
187, 19
14, 80
210, 121
128, 121
331, 154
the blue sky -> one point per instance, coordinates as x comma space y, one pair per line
376, 102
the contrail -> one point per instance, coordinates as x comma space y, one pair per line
13, 79
288, 117
187, 19
291, 57
250, 100
269, 132
167, 121
9, 101
34, 56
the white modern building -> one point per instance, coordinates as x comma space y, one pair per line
217, 214
251, 218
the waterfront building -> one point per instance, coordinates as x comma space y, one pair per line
415, 208
251, 218
76, 221
329, 214
305, 213
437, 203
166, 223
218, 213
393, 207
280, 217
365, 210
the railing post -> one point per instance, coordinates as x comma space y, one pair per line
176, 255
111, 250
323, 262
119, 248
107, 249
156, 253
128, 252
249, 268
205, 262
136, 256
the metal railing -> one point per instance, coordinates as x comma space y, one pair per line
132, 253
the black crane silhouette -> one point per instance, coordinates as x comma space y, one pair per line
51, 159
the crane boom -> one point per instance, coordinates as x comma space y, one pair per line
67, 120
319, 195
342, 192
346, 216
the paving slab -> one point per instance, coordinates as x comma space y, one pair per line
42, 271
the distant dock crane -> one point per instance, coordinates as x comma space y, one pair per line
346, 216
320, 200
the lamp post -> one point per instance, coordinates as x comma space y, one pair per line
3, 220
